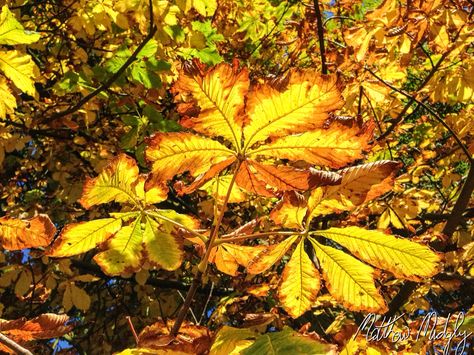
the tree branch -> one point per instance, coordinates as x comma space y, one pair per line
14, 345
319, 24
427, 108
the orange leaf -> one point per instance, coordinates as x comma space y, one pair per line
45, 326
271, 255
17, 234
228, 257
290, 211
247, 180
202, 179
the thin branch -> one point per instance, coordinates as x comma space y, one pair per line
132, 328
115, 76
17, 348
202, 267
429, 109
207, 302
319, 24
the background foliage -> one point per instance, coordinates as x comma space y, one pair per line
84, 83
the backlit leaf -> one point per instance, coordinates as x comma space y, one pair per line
219, 94
175, 153
123, 254
162, 248
12, 32
287, 342
334, 147
300, 283
17, 234
402, 257
115, 183
228, 257
232, 341
45, 326
7, 100
271, 255
360, 184
20, 69
290, 211
77, 238
349, 280
302, 105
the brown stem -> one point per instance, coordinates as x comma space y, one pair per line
115, 76
202, 267
17, 348
319, 24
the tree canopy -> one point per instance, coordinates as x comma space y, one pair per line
236, 177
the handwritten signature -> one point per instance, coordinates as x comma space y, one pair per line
428, 328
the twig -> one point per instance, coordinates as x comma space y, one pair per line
14, 345
427, 108
132, 328
115, 76
319, 24
202, 267
207, 302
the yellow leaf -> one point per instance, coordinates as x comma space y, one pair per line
290, 211
349, 280
402, 257
155, 194
301, 105
205, 8
17, 234
7, 100
20, 69
272, 254
219, 94
300, 283
80, 237
231, 341
24, 283
12, 32
80, 298
175, 153
123, 254
115, 183
219, 186
334, 147
360, 184
162, 248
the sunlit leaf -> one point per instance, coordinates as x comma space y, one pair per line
349, 280
335, 146
115, 183
301, 105
218, 104
80, 237
123, 254
175, 153
20, 69
402, 257
271, 255
232, 341
300, 283
12, 32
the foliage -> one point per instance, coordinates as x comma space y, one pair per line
226, 178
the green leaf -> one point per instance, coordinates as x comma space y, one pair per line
286, 342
